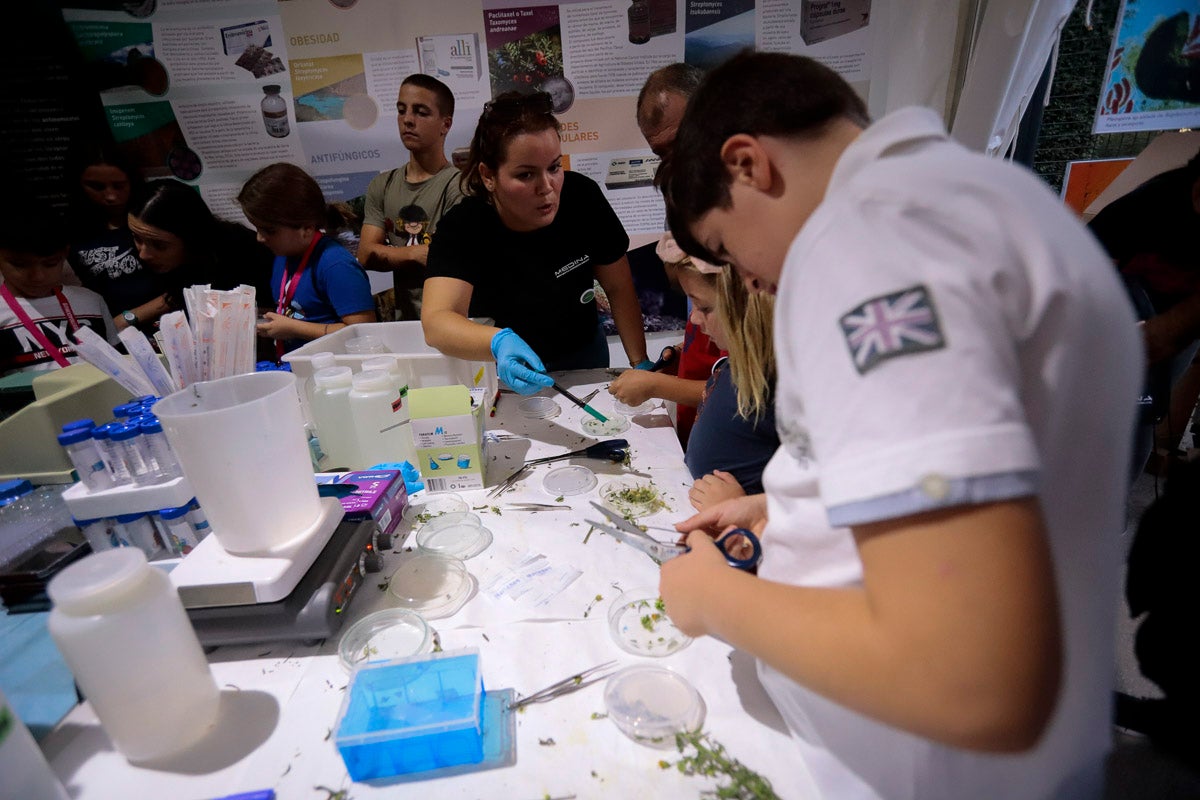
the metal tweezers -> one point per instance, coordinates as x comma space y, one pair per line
565, 686
515, 506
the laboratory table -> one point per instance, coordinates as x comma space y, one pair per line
279, 702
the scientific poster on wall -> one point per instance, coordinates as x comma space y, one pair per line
207, 91
1152, 82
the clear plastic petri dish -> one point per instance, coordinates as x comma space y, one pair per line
459, 538
425, 507
630, 497
452, 518
538, 408
639, 624
383, 635
569, 481
433, 585
650, 704
617, 423
633, 411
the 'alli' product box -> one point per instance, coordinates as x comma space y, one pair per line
447, 429
828, 19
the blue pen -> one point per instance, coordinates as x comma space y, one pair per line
260, 794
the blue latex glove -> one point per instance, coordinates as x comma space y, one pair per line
517, 364
645, 364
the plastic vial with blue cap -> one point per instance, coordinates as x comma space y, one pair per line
198, 520
96, 533
110, 451
132, 450
79, 423
179, 534
86, 458
138, 530
166, 464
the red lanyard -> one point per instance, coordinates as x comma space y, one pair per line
289, 283
34, 330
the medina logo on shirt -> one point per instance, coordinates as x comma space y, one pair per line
571, 266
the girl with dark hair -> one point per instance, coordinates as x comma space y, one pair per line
102, 254
317, 284
526, 247
180, 240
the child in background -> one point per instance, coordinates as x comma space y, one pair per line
37, 313
734, 434
317, 285
103, 254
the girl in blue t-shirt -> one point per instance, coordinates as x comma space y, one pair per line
317, 285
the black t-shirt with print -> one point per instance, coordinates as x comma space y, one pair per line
539, 283
107, 263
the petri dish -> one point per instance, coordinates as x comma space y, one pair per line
383, 635
569, 481
639, 624
459, 538
617, 423
433, 585
423, 508
538, 408
452, 518
633, 411
632, 498
650, 704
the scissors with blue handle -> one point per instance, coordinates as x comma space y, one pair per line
629, 533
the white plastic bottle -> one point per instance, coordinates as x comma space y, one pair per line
331, 416
122, 631
381, 430
24, 769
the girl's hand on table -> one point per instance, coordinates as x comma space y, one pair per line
635, 386
686, 583
713, 488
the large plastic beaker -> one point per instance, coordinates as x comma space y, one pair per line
242, 446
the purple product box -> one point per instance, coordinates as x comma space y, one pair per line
380, 495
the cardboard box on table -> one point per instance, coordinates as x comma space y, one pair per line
447, 430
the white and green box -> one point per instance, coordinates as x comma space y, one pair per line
447, 429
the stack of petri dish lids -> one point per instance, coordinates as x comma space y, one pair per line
638, 623
569, 481
428, 506
431, 584
617, 423
460, 535
384, 635
538, 408
650, 704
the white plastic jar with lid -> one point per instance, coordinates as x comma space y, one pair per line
381, 432
331, 415
122, 631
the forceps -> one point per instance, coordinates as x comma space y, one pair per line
625, 531
565, 686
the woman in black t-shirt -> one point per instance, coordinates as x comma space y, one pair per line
525, 247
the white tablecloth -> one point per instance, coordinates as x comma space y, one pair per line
280, 701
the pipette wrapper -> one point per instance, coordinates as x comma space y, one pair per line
178, 347
92, 347
138, 346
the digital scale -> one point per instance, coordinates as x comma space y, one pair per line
299, 591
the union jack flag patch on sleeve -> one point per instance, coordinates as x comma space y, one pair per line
891, 325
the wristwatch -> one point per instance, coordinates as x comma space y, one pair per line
129, 317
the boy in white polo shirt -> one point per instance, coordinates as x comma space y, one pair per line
958, 368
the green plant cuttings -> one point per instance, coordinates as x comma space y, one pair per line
708, 759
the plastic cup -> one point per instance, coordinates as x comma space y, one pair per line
242, 446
